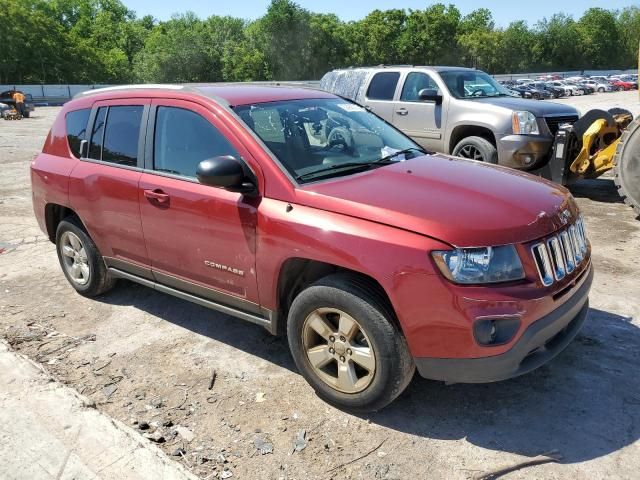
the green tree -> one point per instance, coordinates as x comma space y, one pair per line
429, 35
629, 28
558, 44
599, 39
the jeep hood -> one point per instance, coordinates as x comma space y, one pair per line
461, 202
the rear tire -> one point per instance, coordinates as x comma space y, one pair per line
80, 259
476, 148
601, 90
344, 340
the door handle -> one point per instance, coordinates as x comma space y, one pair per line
157, 195
402, 111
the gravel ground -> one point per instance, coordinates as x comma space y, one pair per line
147, 358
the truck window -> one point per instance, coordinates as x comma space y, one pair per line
76, 129
383, 86
415, 82
183, 139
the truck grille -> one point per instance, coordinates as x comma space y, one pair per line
561, 254
554, 122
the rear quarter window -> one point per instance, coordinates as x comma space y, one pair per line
383, 86
77, 129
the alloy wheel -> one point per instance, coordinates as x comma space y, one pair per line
338, 350
470, 151
74, 258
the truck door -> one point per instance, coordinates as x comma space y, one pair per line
423, 121
381, 92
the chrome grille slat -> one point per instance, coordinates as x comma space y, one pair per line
560, 254
557, 258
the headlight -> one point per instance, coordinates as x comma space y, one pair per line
480, 265
524, 123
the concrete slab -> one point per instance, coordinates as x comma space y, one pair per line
48, 431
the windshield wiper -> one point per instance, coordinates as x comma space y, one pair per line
337, 167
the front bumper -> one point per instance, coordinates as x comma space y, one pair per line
540, 342
523, 151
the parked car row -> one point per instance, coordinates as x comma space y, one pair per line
552, 86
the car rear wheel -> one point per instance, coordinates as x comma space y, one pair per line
80, 259
345, 343
476, 148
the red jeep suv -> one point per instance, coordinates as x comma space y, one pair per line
305, 213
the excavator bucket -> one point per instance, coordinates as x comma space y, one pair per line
627, 166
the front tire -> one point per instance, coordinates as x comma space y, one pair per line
80, 259
346, 344
476, 148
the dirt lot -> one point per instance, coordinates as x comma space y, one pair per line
147, 357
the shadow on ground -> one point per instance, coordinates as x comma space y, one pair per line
598, 190
585, 403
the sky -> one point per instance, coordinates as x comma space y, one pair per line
504, 11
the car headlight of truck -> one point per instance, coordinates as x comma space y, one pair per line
480, 265
524, 123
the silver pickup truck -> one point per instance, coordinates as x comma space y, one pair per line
455, 110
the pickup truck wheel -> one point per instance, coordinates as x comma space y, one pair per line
346, 345
476, 148
80, 259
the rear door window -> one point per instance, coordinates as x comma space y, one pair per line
97, 134
183, 139
122, 134
115, 135
383, 86
77, 129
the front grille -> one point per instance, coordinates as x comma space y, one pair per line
561, 254
554, 122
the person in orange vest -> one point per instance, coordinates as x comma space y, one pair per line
18, 97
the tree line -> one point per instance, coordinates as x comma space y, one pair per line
102, 41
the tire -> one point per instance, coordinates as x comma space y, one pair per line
626, 170
486, 151
601, 90
82, 265
338, 300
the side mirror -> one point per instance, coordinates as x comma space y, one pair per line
226, 172
430, 95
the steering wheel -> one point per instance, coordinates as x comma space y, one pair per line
341, 138
476, 92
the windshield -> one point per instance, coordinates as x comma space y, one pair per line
472, 84
329, 137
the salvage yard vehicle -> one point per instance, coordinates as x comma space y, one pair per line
7, 99
598, 86
303, 212
435, 107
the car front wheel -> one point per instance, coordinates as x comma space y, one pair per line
80, 259
346, 344
476, 148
